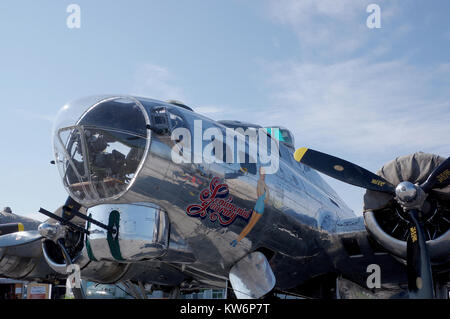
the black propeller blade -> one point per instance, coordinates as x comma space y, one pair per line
12, 235
6, 229
19, 238
439, 178
342, 170
420, 280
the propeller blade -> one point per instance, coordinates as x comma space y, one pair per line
10, 228
342, 170
440, 177
420, 279
19, 238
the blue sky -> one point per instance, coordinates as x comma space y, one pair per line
367, 95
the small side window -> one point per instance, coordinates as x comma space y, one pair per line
176, 121
160, 121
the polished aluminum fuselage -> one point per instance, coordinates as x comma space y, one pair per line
297, 231
304, 231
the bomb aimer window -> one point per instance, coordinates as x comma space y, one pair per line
102, 153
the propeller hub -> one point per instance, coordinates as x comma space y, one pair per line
52, 231
406, 191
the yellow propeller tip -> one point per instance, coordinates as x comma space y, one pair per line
298, 155
20, 227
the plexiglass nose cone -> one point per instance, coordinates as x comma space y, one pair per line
100, 153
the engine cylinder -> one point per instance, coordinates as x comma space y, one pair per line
383, 225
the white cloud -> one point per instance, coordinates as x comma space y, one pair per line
329, 27
341, 97
160, 83
316, 22
156, 82
346, 95
361, 106
364, 111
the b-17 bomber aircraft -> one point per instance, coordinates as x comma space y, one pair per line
160, 195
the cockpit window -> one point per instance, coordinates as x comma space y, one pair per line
119, 115
101, 154
283, 135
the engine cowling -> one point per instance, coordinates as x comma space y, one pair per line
24, 262
387, 222
390, 229
142, 237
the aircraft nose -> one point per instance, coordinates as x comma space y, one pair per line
99, 147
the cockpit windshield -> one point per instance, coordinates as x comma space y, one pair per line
284, 135
100, 155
